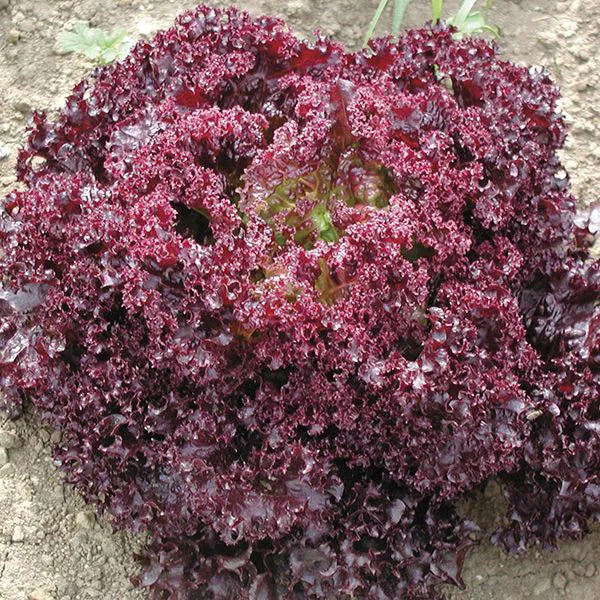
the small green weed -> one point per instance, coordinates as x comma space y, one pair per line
466, 21
98, 45
470, 22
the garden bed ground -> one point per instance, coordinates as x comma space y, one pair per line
51, 546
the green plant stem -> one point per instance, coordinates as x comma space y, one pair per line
465, 21
436, 10
375, 20
463, 13
400, 7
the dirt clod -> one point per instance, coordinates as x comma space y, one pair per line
9, 440
7, 470
85, 519
18, 535
22, 107
40, 594
559, 581
541, 588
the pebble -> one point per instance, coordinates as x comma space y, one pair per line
571, 164
297, 8
4, 153
18, 535
39, 535
22, 107
547, 38
85, 519
4, 4
3, 457
559, 581
28, 26
569, 28
542, 587
590, 570
40, 594
579, 55
13, 36
582, 86
7, 470
9, 440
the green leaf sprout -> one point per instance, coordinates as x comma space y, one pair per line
98, 45
469, 22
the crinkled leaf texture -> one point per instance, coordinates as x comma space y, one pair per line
287, 304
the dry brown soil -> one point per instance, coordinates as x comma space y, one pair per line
51, 546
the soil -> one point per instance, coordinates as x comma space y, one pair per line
53, 547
